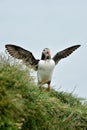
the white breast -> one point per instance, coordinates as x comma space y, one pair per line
45, 70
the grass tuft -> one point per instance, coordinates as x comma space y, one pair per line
24, 106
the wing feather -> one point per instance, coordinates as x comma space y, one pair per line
20, 53
63, 54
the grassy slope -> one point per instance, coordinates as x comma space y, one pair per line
24, 106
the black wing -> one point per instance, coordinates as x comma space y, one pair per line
64, 53
20, 53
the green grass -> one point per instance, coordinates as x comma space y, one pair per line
26, 107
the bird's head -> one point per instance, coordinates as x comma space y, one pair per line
46, 54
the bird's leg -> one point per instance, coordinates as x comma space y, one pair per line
40, 85
48, 89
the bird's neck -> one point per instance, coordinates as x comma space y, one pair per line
44, 57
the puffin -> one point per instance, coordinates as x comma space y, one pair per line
44, 66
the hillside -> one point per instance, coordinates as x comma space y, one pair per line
26, 107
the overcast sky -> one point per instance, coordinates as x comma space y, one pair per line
56, 24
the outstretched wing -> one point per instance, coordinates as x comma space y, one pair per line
20, 53
64, 53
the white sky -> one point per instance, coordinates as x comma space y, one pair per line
56, 24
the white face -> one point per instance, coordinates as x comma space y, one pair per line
46, 53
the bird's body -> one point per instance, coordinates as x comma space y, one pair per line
45, 70
45, 65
